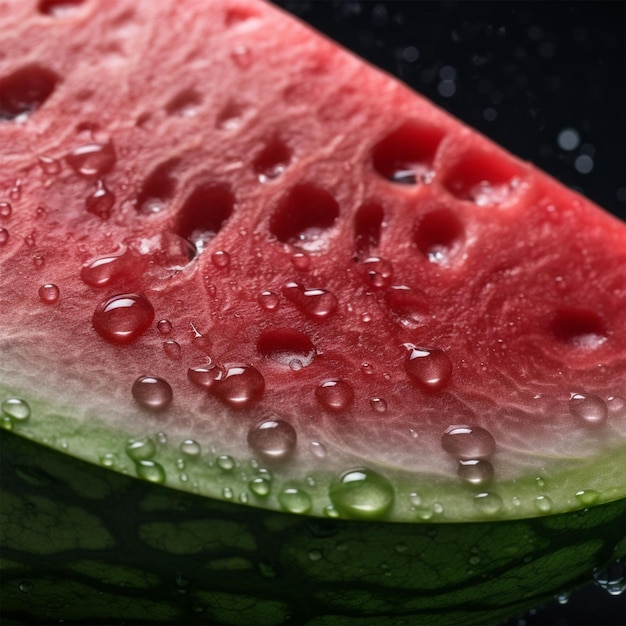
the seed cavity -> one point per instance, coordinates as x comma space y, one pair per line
123, 318
152, 393
406, 155
184, 104
285, 345
24, 91
580, 328
158, 189
304, 217
480, 178
273, 439
362, 493
59, 8
429, 369
272, 161
204, 213
468, 443
335, 395
438, 235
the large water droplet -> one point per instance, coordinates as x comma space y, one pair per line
295, 500
378, 272
588, 408
488, 502
475, 471
316, 303
151, 471
92, 160
588, 497
239, 385
123, 318
49, 293
468, 442
103, 270
430, 370
16, 409
335, 395
362, 493
141, 449
100, 202
152, 393
612, 578
273, 439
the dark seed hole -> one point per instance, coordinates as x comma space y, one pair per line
204, 213
158, 188
25, 90
287, 346
438, 234
303, 217
183, 103
58, 8
582, 328
367, 224
272, 161
406, 155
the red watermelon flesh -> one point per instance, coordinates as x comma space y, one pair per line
240, 261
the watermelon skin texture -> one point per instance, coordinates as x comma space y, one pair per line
449, 287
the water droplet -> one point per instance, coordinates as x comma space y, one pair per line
562, 598
4, 236
29, 240
225, 462
172, 349
273, 439
190, 447
543, 504
588, 497
100, 202
335, 395
260, 486
92, 160
269, 300
242, 56
362, 493
38, 260
161, 438
378, 405
488, 502
612, 578
16, 409
125, 265
164, 327
49, 165
378, 272
15, 193
220, 259
475, 471
239, 385
25, 586
123, 318
430, 370
227, 493
151, 471
316, 303
5, 209
295, 500
468, 442
152, 393
588, 408
318, 449
108, 460
203, 375
49, 293
301, 261
141, 449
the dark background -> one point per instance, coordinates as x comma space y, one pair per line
521, 73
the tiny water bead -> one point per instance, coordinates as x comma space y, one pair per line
260, 486
362, 493
100, 202
318, 449
273, 439
378, 405
25, 586
220, 259
316, 303
150, 471
335, 395
92, 160
152, 393
16, 409
141, 449
242, 57
49, 165
588, 497
378, 272
123, 318
429, 369
4, 236
5, 209
49, 293
295, 500
190, 447
203, 375
543, 504
164, 327
269, 300
468, 443
488, 502
172, 349
475, 471
588, 408
225, 462
301, 261
239, 385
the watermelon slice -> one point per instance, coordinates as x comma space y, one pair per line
294, 285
